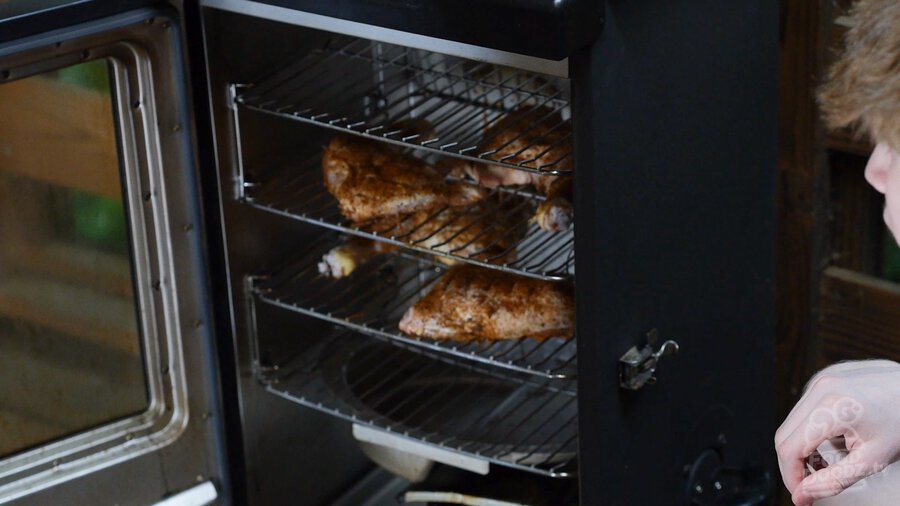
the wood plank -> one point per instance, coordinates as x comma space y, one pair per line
62, 385
30, 239
78, 265
803, 228
804, 245
860, 318
59, 133
101, 319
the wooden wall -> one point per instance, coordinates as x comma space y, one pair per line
832, 304
803, 243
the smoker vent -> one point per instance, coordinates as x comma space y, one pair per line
373, 299
369, 88
501, 228
529, 424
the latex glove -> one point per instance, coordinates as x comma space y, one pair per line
857, 400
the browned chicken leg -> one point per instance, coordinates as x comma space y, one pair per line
487, 231
537, 136
555, 213
471, 303
340, 261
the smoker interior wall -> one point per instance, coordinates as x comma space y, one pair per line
292, 455
675, 148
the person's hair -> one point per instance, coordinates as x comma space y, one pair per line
862, 90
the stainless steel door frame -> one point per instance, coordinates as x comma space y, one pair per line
176, 442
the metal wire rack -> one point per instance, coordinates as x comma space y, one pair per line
375, 297
498, 234
369, 88
525, 425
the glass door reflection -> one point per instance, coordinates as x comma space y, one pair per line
70, 354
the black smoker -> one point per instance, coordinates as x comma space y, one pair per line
278, 375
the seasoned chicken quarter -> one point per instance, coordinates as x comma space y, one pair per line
470, 303
372, 180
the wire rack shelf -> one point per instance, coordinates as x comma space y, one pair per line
518, 424
498, 233
369, 88
374, 298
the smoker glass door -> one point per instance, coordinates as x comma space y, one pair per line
108, 391
70, 355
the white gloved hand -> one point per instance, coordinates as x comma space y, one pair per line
857, 400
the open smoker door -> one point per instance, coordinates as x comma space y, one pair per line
676, 137
108, 389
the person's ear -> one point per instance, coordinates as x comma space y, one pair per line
878, 167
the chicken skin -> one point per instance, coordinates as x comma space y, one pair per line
487, 231
372, 180
470, 303
340, 261
537, 136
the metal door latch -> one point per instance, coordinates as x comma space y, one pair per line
636, 367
